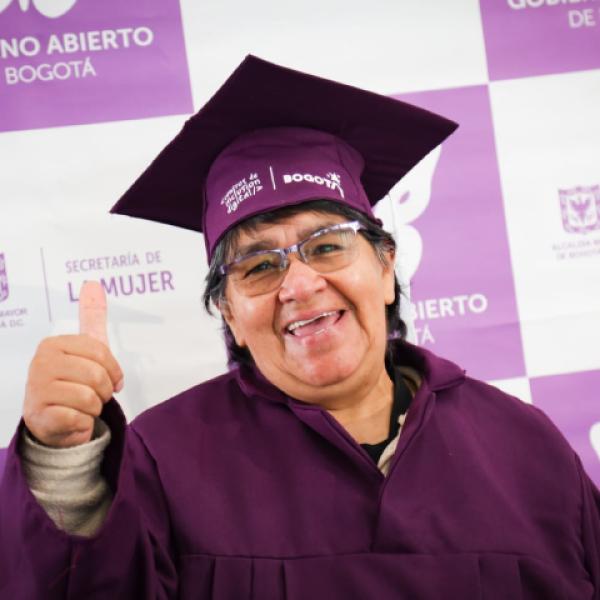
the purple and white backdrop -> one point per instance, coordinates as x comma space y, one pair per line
498, 231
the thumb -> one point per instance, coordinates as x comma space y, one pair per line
92, 315
92, 311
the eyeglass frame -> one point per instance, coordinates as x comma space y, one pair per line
355, 226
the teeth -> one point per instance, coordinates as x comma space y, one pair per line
292, 326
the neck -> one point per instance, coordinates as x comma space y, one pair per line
366, 414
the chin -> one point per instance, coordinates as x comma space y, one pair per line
324, 372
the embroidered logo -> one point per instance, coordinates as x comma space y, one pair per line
240, 191
3, 279
49, 8
332, 180
580, 208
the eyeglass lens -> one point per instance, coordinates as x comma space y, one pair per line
263, 272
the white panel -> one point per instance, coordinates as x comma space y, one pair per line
548, 139
386, 46
518, 387
78, 171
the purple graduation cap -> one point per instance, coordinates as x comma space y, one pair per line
272, 137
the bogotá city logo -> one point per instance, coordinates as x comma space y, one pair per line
49, 8
580, 208
3, 279
331, 181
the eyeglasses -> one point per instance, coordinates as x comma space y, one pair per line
326, 250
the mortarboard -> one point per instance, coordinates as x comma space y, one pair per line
271, 137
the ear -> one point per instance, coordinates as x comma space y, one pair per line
389, 279
228, 314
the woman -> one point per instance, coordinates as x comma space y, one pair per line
334, 459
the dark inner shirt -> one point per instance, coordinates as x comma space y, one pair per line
401, 402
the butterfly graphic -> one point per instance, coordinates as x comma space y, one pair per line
595, 437
406, 202
49, 8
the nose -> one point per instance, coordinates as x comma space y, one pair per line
300, 282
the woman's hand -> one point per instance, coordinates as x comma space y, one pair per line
71, 377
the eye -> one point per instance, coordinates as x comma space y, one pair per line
325, 248
327, 244
260, 268
258, 265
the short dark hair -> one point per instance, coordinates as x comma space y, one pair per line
380, 240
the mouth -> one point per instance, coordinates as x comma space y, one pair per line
314, 325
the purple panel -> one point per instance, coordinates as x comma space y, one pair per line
2, 460
572, 401
537, 37
463, 289
96, 61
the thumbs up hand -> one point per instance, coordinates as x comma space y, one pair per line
72, 376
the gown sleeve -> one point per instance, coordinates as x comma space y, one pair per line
130, 556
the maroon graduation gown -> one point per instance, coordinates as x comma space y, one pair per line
232, 490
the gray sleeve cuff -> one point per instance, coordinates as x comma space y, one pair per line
67, 481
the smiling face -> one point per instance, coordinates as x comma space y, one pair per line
319, 336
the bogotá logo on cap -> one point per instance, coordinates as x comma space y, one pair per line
240, 191
331, 181
3, 279
49, 8
580, 208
